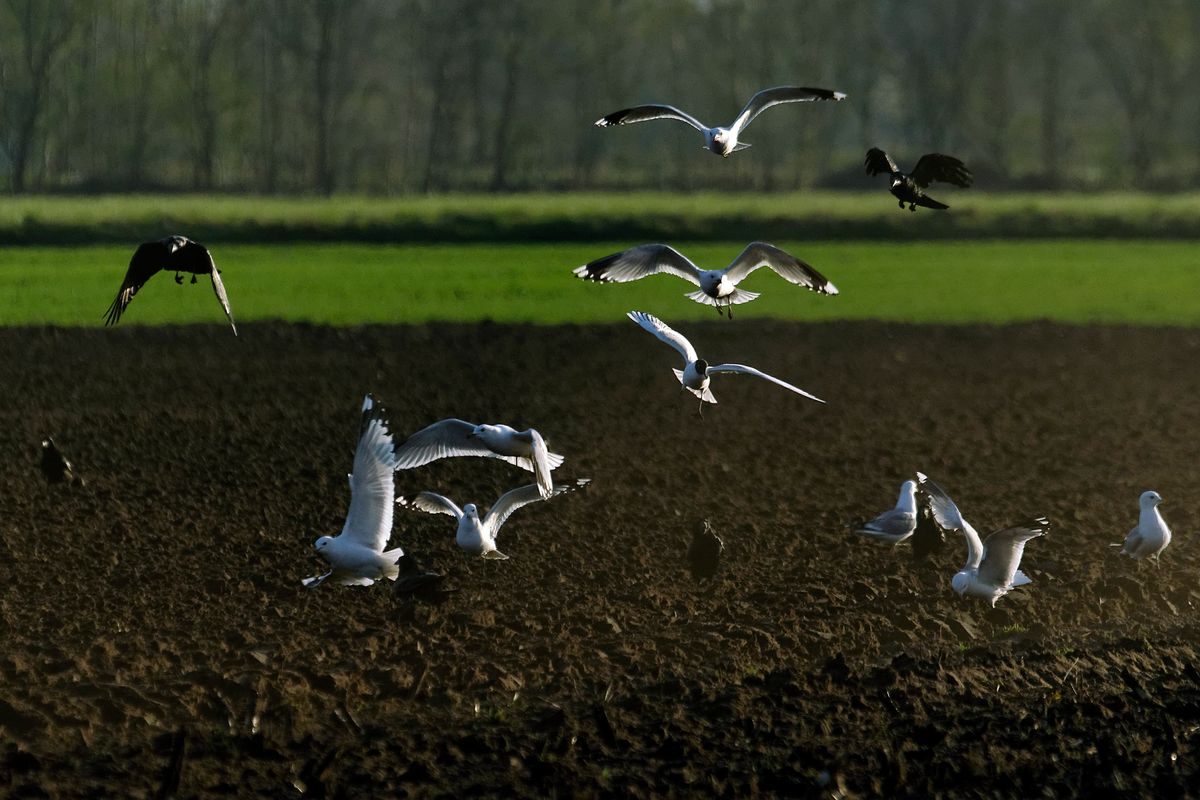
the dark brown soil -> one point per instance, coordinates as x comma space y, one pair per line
165, 593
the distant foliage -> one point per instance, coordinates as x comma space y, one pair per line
396, 97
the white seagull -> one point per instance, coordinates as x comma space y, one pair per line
356, 556
992, 564
454, 437
696, 373
896, 524
722, 140
718, 287
477, 535
1151, 535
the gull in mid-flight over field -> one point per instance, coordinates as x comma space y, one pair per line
696, 373
477, 535
356, 556
454, 437
1151, 535
896, 524
176, 254
910, 188
718, 287
992, 564
722, 140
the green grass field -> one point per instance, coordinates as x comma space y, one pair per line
807, 216
1071, 281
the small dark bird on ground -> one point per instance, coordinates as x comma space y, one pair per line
910, 188
176, 254
416, 584
928, 538
704, 553
55, 466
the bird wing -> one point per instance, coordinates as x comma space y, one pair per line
219, 290
780, 94
431, 503
878, 161
1003, 549
147, 260
444, 439
945, 512
938, 167
664, 333
517, 498
638, 262
372, 489
743, 369
627, 116
787, 266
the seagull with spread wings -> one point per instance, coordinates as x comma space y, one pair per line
718, 287
454, 437
722, 140
910, 188
477, 535
697, 373
991, 570
356, 555
176, 254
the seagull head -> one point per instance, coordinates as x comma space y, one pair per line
1149, 499
323, 542
959, 583
470, 510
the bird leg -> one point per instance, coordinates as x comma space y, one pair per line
729, 308
901, 205
193, 280
912, 207
178, 278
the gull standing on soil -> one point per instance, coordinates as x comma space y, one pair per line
896, 524
722, 140
718, 287
992, 564
478, 535
1151, 535
454, 437
696, 373
911, 188
176, 254
356, 555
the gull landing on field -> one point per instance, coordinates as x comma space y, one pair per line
477, 535
722, 140
718, 287
991, 570
696, 373
356, 555
455, 437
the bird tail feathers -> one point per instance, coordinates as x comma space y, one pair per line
393, 570
1021, 579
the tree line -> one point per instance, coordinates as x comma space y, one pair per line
418, 96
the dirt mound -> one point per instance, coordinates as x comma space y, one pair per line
164, 595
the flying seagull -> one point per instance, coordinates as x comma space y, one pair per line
55, 466
696, 373
176, 254
911, 188
896, 524
719, 140
718, 287
356, 555
454, 437
478, 535
704, 553
1151, 535
417, 584
991, 570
